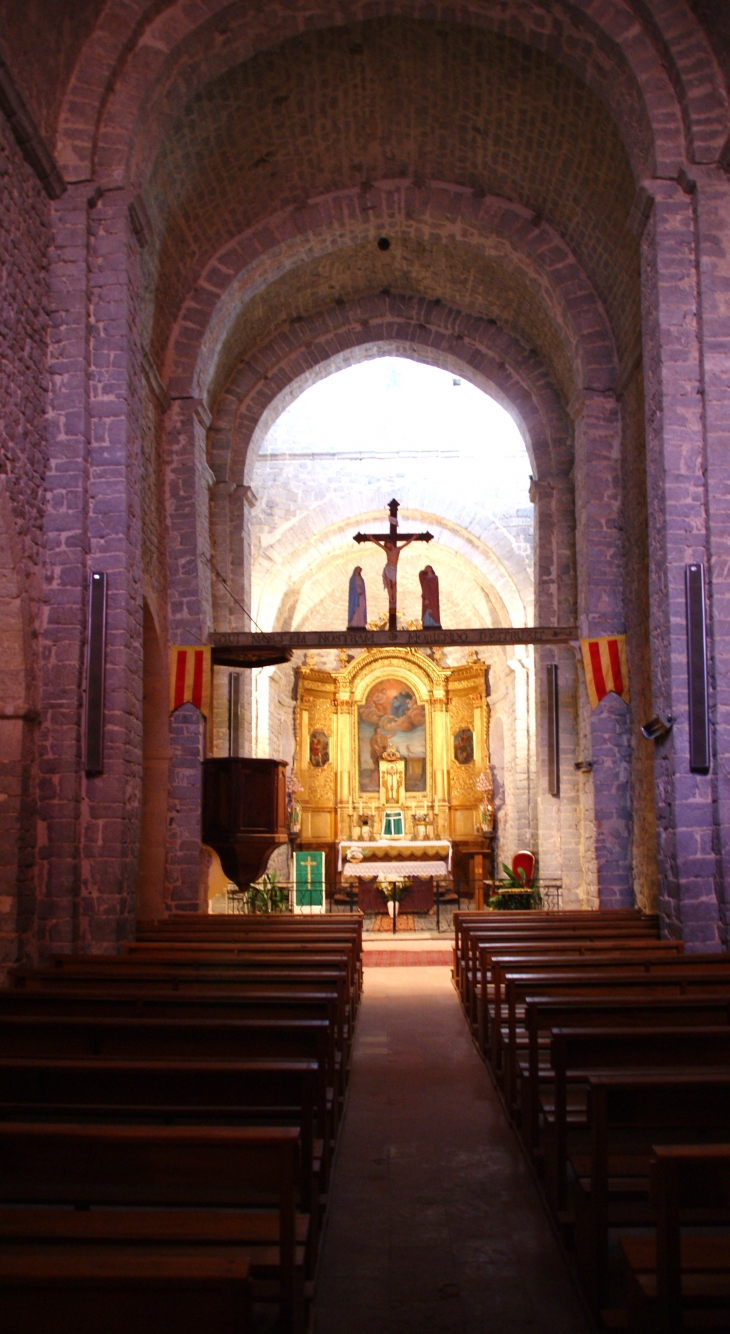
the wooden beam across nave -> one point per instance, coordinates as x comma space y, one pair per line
245, 648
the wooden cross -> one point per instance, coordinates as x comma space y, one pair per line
391, 544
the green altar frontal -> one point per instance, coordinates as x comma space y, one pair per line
309, 882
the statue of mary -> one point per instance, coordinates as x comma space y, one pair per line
430, 609
357, 609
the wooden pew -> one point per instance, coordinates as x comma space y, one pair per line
628, 1114
204, 1005
229, 982
257, 953
575, 947
249, 1091
113, 1288
494, 923
186, 927
169, 1040
576, 1053
161, 1186
549, 941
465, 922
593, 977
543, 1014
673, 1276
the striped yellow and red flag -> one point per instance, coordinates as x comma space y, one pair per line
190, 677
605, 667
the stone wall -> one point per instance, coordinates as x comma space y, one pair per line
24, 243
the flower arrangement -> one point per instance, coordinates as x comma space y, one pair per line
393, 888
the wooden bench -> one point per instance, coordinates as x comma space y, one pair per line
113, 1289
139, 1179
169, 1039
629, 1113
257, 1092
591, 977
551, 942
543, 1014
186, 927
258, 952
493, 924
136, 979
577, 947
514, 921
677, 1279
576, 1053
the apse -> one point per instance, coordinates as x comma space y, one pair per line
324, 463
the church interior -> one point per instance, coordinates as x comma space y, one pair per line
364, 550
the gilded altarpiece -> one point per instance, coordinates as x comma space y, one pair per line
437, 718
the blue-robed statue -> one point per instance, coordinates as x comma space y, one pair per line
357, 609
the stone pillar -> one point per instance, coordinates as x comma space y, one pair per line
89, 826
111, 801
190, 620
677, 498
66, 538
712, 221
560, 845
600, 612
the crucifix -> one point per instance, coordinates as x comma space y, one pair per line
391, 543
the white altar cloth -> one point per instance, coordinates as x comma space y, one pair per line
400, 868
409, 856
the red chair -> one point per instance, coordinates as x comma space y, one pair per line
524, 861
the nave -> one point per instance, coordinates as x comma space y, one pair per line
183, 1125
435, 1222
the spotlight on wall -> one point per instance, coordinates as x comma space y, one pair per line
583, 766
657, 728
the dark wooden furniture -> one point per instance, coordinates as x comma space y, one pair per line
244, 813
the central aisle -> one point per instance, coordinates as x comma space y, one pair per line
435, 1224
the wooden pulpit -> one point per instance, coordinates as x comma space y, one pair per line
244, 813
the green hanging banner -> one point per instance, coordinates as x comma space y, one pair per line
309, 881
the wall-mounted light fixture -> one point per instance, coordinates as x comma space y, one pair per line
658, 728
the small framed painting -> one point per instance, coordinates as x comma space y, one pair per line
319, 748
464, 745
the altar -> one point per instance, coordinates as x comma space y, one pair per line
391, 771
417, 860
421, 857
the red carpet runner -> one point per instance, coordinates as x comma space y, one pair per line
405, 958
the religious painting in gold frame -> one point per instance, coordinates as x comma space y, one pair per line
391, 716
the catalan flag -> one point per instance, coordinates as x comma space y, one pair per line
190, 677
605, 667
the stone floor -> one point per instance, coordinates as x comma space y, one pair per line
435, 1225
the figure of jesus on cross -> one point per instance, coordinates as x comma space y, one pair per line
391, 543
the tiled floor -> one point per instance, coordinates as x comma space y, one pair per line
435, 1226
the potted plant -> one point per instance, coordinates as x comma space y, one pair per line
266, 895
516, 894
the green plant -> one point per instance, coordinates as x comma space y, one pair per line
517, 881
265, 895
515, 899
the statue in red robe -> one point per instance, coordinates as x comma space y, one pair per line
430, 610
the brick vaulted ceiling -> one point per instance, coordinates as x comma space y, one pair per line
395, 100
